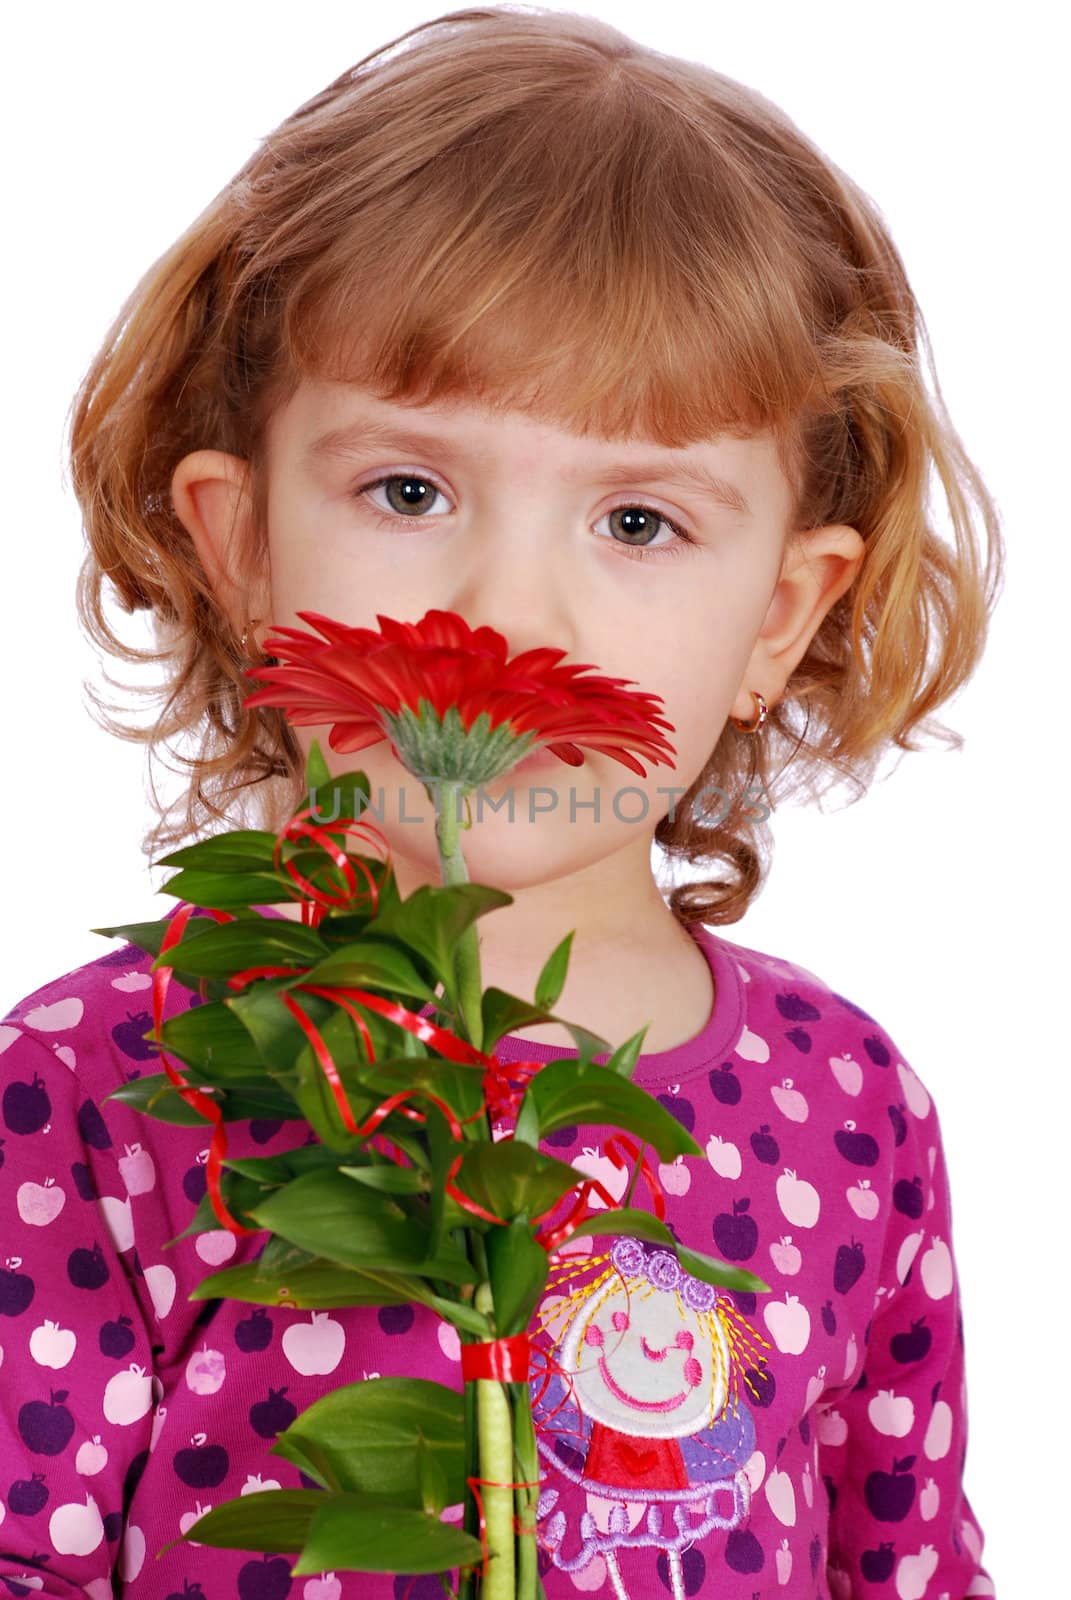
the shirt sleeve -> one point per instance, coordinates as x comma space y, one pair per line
892, 1448
77, 1384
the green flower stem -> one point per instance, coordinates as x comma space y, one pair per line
467, 954
495, 1429
466, 1587
496, 1406
527, 1458
471, 1523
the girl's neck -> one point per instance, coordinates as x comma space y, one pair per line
631, 962
659, 981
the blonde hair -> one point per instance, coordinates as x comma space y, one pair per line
527, 208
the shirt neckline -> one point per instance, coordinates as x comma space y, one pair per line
684, 1061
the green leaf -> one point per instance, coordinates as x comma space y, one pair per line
228, 890
509, 1178
433, 918
431, 1476
274, 1520
313, 1284
314, 1093
348, 1534
156, 1096
457, 1084
317, 771
371, 964
276, 1033
329, 1215
245, 847
336, 801
442, 1150
518, 1270
389, 1178
642, 1225
229, 947
346, 922
347, 795
246, 1181
211, 1038
238, 1195
505, 1013
624, 1058
587, 1044
357, 1534
281, 1256
274, 1170
369, 1436
566, 1092
552, 978
318, 1285
148, 936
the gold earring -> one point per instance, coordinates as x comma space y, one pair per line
247, 631
762, 711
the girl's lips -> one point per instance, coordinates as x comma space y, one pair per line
539, 760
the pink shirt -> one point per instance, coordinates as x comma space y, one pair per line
808, 1442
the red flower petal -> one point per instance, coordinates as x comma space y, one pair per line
354, 678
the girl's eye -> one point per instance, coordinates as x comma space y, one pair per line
634, 523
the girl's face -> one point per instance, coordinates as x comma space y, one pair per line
620, 553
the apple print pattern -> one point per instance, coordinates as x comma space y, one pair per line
817, 1451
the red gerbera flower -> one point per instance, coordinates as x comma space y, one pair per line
454, 708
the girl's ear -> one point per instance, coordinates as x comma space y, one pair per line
818, 566
211, 494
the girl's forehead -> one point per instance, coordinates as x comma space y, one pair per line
320, 401
328, 420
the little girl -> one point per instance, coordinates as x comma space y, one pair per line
647, 365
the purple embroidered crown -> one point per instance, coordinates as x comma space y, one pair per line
663, 1271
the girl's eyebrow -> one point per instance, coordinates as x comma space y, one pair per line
341, 444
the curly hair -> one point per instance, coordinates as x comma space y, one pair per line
526, 207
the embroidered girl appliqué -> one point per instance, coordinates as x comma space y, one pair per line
640, 1408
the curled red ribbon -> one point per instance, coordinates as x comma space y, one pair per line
619, 1146
490, 1483
161, 980
504, 1359
316, 906
579, 1212
503, 1084
311, 914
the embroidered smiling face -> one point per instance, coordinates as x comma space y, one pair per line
645, 1362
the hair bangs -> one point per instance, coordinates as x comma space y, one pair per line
610, 271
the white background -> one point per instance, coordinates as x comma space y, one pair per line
939, 902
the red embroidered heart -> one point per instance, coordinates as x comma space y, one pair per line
638, 1460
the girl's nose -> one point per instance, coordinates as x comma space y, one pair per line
508, 585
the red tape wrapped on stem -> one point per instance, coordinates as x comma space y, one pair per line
504, 1359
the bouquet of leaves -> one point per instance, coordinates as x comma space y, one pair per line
400, 1192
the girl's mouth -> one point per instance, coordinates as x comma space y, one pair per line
539, 760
